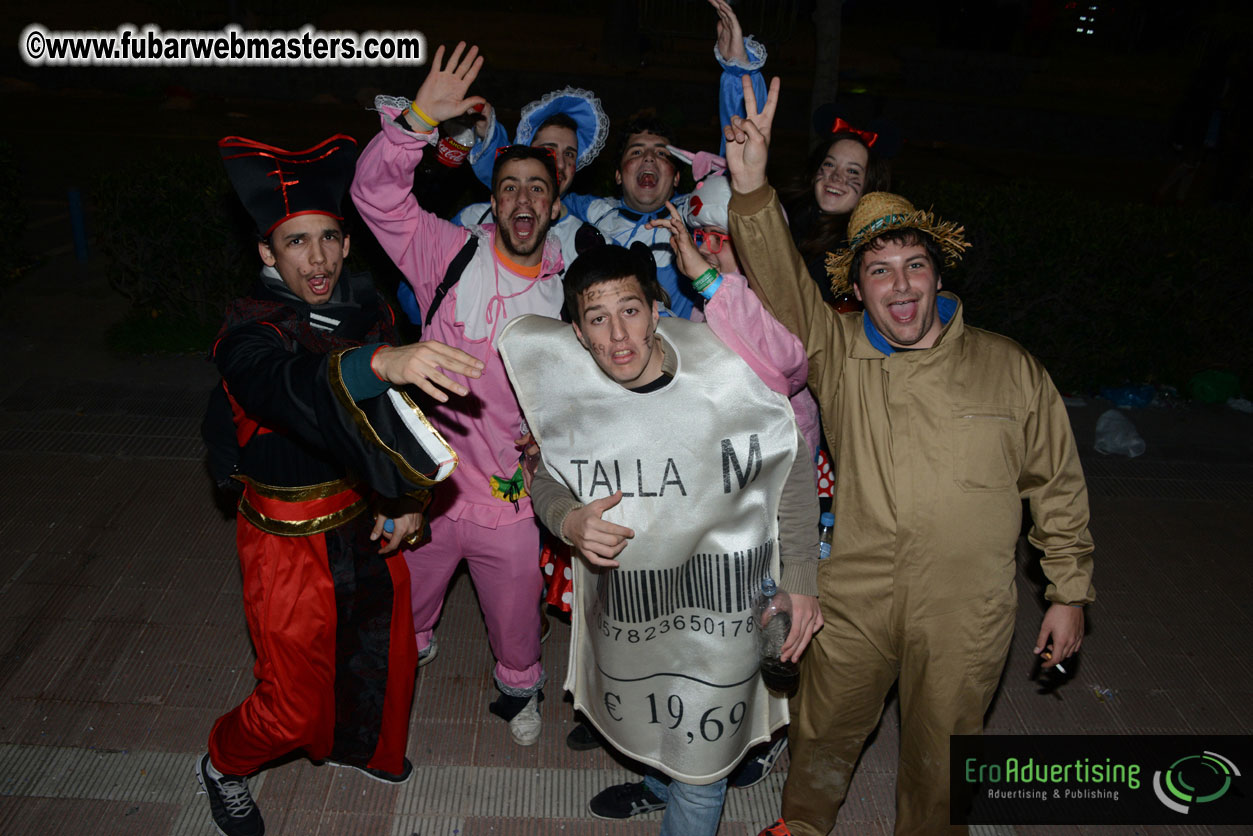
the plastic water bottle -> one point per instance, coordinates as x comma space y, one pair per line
826, 527
773, 610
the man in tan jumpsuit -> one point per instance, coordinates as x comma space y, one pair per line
942, 430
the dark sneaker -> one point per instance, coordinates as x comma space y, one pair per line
622, 801
583, 738
230, 802
379, 775
754, 769
779, 828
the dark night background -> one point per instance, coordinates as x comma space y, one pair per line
1049, 135
121, 630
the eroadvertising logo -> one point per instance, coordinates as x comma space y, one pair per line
1100, 779
1194, 779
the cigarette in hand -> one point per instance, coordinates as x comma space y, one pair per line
1047, 655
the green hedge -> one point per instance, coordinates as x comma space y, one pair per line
1103, 293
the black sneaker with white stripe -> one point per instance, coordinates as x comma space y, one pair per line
622, 801
230, 802
757, 765
405, 774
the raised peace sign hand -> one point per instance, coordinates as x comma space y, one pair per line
748, 139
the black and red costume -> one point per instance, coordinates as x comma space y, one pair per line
329, 616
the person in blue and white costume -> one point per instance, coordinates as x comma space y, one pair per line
572, 124
648, 175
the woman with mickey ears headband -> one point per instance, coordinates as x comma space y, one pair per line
847, 163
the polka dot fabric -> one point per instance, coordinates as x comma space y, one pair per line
826, 476
554, 561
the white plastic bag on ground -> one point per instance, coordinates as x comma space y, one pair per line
1115, 434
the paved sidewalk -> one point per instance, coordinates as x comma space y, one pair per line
122, 633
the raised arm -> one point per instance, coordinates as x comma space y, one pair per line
491, 136
737, 316
420, 243
774, 268
739, 57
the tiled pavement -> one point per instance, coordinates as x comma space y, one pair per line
122, 637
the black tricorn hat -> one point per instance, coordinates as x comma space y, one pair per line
275, 184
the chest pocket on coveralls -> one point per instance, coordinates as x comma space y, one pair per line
987, 447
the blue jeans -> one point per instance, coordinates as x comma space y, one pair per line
691, 809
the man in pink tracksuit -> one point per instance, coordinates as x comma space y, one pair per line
484, 515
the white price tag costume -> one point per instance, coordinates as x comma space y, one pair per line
664, 660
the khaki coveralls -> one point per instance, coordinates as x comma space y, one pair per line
935, 450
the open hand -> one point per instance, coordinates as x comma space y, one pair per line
423, 364
443, 92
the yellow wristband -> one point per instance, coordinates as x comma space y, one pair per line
417, 111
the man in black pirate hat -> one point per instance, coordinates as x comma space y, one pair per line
335, 465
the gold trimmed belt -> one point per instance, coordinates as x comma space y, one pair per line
300, 511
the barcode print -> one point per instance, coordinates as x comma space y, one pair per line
724, 583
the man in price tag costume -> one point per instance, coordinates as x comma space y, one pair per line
662, 448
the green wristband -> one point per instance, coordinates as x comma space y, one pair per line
704, 280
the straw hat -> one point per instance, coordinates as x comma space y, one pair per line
880, 212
